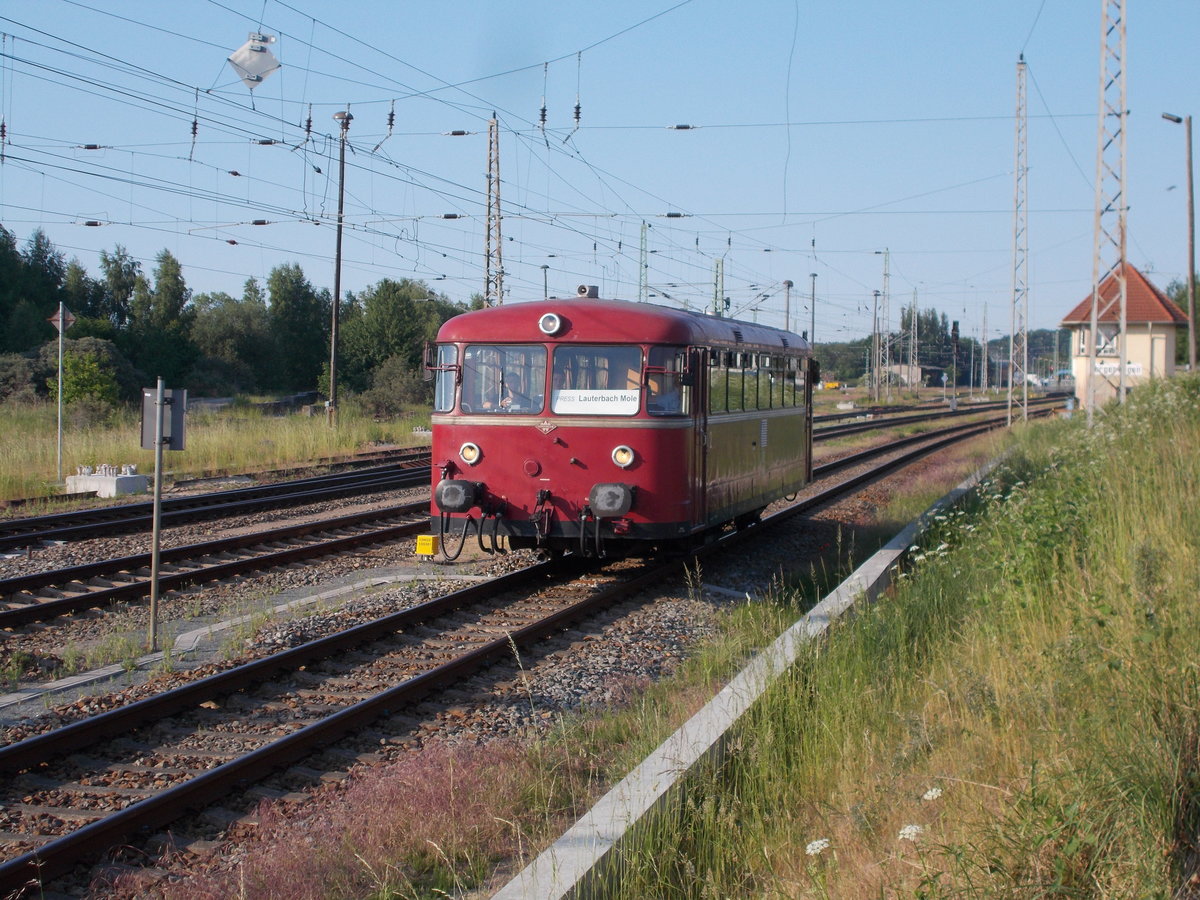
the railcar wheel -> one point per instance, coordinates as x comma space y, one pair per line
747, 520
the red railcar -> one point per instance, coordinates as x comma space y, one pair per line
573, 424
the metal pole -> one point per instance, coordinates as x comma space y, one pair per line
787, 305
62, 327
1191, 285
159, 403
812, 309
345, 119
545, 283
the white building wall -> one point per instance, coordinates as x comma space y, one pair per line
1151, 352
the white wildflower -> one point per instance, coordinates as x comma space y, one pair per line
932, 794
911, 832
816, 848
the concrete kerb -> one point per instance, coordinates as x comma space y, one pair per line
191, 641
585, 859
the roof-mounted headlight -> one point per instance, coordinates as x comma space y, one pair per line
550, 323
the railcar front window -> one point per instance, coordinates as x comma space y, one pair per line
503, 378
596, 381
443, 384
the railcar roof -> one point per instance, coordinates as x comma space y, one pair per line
593, 321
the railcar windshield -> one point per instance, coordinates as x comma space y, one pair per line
503, 378
596, 380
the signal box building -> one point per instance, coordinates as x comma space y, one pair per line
1152, 323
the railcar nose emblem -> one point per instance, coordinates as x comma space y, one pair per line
545, 426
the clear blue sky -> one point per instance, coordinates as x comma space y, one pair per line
824, 132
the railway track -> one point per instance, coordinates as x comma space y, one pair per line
78, 524
894, 418
47, 595
77, 791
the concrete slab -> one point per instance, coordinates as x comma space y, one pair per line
108, 485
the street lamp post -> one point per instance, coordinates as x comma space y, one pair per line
1191, 284
344, 118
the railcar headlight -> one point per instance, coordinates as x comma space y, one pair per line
550, 323
470, 453
623, 456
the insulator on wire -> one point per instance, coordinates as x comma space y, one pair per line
542, 111
391, 121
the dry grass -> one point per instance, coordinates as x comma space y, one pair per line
234, 440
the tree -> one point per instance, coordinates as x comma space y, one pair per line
396, 319
121, 272
298, 318
234, 340
44, 272
161, 321
86, 378
26, 326
394, 386
111, 362
82, 294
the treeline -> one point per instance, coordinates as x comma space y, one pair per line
132, 326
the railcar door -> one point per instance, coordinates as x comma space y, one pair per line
814, 375
697, 375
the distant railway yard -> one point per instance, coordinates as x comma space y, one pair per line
307, 641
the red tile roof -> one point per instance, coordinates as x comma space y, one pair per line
1143, 303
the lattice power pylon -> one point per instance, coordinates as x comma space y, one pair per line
1018, 341
493, 291
1108, 260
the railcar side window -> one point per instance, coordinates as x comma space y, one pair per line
765, 382
718, 385
603, 381
789, 383
504, 378
666, 394
736, 382
443, 384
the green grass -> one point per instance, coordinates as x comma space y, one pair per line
235, 440
1029, 700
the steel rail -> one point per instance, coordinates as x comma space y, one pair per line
129, 517
831, 431
49, 609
